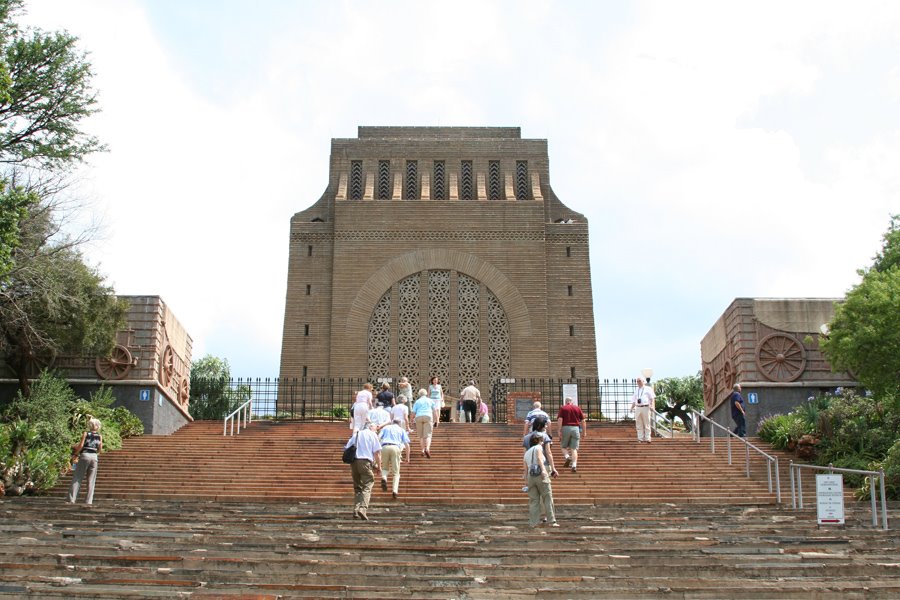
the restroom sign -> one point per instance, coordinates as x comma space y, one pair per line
752, 398
145, 394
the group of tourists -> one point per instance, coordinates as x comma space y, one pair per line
538, 458
381, 433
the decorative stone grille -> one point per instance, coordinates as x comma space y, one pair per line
437, 184
384, 180
466, 181
467, 329
522, 180
380, 339
356, 180
463, 360
439, 324
495, 188
498, 339
408, 328
412, 180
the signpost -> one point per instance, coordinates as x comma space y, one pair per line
830, 499
570, 390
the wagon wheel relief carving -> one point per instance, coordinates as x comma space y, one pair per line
184, 391
780, 357
167, 367
728, 374
709, 387
117, 365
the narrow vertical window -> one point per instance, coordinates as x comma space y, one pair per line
466, 181
571, 372
522, 180
568, 250
384, 180
309, 289
412, 180
569, 289
304, 371
571, 330
306, 329
438, 186
356, 180
309, 250
495, 188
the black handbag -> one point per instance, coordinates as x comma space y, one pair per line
350, 452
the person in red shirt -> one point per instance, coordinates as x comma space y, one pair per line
572, 426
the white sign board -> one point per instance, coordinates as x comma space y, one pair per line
570, 390
830, 499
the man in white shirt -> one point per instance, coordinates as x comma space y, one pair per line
471, 398
368, 459
641, 402
380, 416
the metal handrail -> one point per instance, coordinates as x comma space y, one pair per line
797, 489
771, 461
243, 415
668, 428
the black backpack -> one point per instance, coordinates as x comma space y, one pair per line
350, 452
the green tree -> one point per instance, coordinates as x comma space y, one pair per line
676, 396
14, 205
45, 94
212, 396
864, 335
51, 301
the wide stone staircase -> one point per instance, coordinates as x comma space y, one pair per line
267, 515
212, 550
289, 461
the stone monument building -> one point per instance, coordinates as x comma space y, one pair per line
438, 251
148, 370
771, 347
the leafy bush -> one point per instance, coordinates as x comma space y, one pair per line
340, 412
37, 432
782, 431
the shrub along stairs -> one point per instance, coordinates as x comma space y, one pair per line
471, 463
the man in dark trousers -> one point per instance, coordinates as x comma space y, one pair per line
737, 411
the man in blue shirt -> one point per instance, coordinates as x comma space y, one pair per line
737, 411
393, 440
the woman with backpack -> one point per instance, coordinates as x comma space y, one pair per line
87, 451
538, 477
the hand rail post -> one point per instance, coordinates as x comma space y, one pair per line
884, 519
777, 481
793, 488
799, 486
872, 498
747, 460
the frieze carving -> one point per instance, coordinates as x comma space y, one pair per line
465, 236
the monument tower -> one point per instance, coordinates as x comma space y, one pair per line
439, 251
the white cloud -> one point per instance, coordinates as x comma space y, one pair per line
651, 110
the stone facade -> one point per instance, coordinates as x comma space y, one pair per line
148, 370
769, 346
438, 251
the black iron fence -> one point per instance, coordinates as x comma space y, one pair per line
330, 399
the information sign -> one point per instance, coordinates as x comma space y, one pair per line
830, 499
570, 390
752, 398
145, 394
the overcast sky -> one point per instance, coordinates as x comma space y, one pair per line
718, 149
